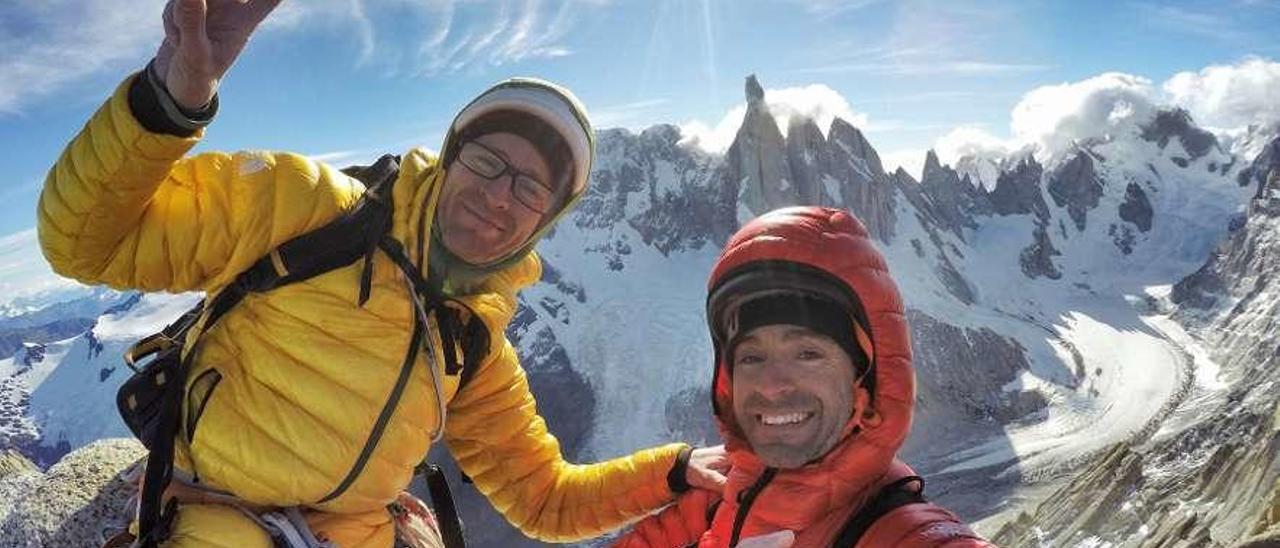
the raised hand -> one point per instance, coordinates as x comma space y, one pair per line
202, 38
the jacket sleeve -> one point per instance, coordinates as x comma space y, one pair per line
924, 525
680, 524
123, 207
498, 439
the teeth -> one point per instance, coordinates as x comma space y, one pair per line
775, 420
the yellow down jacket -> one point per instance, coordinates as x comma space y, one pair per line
289, 384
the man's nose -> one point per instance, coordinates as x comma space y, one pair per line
497, 192
775, 381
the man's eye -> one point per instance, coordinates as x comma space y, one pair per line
532, 192
488, 163
748, 359
809, 354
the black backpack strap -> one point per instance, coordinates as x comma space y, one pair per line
890, 498
155, 517
452, 530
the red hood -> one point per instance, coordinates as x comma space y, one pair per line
835, 242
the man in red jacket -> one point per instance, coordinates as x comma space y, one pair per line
813, 392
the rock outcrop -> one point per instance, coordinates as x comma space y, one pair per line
1018, 190
80, 501
1136, 208
1170, 123
1077, 186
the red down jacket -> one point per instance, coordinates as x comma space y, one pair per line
817, 500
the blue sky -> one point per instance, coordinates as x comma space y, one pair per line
348, 79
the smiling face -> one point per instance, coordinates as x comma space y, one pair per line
481, 221
793, 392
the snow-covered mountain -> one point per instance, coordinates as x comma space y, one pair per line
1052, 315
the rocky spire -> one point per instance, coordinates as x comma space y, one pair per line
757, 160
755, 93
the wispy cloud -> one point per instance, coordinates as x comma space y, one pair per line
960, 36
935, 38
926, 68
627, 114
832, 8
45, 46
475, 35
1219, 24
50, 45
938, 97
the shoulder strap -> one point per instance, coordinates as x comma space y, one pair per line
890, 498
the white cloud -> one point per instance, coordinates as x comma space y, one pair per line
817, 102
971, 141
1107, 105
911, 160
717, 139
1051, 118
1229, 96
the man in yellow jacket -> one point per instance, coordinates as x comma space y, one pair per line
298, 397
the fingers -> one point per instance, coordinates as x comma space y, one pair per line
188, 17
710, 480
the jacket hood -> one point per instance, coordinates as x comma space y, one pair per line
834, 243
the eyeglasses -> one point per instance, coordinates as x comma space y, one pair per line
485, 162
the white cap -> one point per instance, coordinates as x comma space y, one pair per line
550, 103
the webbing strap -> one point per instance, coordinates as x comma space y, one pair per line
890, 498
451, 527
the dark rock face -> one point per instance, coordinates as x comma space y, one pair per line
1018, 190
1168, 124
981, 360
1136, 208
1037, 258
1077, 186
764, 171
1201, 289
1122, 236
850, 140
809, 159
951, 201
12, 339
687, 204
864, 186
1260, 170
758, 159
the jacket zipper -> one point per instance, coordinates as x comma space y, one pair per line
746, 499
385, 416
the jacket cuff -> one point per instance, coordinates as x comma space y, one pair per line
156, 110
677, 479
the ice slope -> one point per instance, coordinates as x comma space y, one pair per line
71, 389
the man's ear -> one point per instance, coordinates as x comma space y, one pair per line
869, 417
